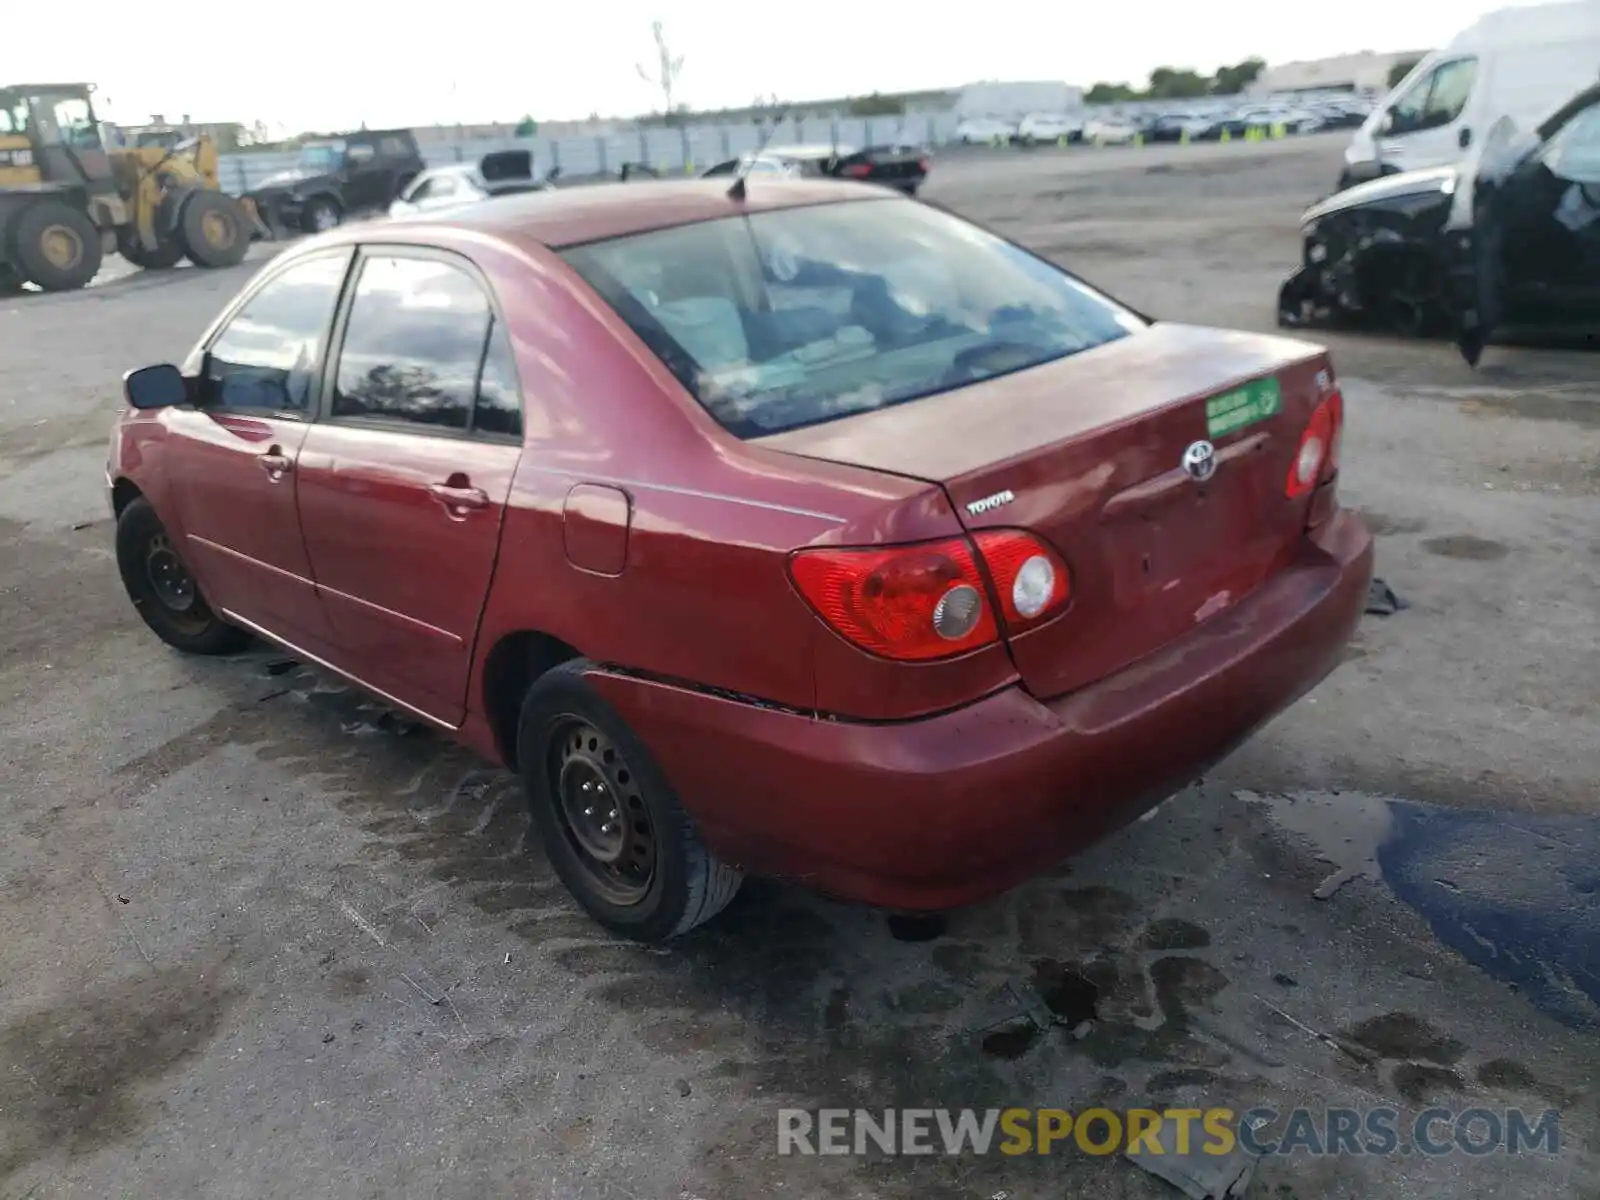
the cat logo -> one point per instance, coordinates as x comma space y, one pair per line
16, 158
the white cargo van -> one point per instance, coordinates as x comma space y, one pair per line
1520, 63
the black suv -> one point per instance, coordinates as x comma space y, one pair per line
339, 177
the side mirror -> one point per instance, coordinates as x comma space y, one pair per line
160, 386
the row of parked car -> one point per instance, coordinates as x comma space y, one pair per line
1170, 125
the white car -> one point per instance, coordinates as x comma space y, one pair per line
984, 131
1049, 127
1110, 131
497, 174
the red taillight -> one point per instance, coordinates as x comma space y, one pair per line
1029, 577
925, 164
906, 602
930, 600
859, 170
1318, 454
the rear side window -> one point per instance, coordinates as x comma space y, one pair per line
421, 348
792, 317
1574, 152
266, 356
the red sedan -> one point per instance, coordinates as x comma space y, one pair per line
809, 531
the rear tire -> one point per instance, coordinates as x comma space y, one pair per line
320, 215
56, 246
611, 825
213, 230
163, 591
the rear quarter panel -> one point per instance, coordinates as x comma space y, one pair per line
704, 596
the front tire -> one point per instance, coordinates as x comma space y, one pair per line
214, 230
163, 591
610, 823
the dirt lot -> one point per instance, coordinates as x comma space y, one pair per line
260, 940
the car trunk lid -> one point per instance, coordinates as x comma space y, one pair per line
1087, 452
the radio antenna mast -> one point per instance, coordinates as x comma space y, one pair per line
736, 190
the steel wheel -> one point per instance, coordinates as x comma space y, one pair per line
62, 247
601, 813
172, 585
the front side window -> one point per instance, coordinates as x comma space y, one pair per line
268, 354
801, 315
1437, 98
433, 188
413, 345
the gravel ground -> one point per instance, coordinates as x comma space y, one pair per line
262, 940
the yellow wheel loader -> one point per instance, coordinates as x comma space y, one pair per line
67, 198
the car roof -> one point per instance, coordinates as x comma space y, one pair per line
596, 212
819, 150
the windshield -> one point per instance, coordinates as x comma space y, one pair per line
320, 156
802, 315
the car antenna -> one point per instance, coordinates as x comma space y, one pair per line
736, 189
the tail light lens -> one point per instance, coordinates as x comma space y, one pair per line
859, 170
930, 601
1030, 578
913, 603
1318, 455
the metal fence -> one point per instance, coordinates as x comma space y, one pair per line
687, 149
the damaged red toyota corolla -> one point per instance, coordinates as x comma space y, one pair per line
813, 533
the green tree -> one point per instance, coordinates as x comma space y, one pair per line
1169, 83
1230, 81
877, 105
527, 127
1401, 69
1109, 93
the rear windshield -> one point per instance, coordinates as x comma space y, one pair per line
802, 315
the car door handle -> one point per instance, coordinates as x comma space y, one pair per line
452, 496
275, 462
1465, 139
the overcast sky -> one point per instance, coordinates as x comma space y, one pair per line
326, 63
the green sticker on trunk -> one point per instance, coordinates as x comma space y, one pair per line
1234, 410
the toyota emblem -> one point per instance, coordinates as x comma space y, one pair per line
1200, 461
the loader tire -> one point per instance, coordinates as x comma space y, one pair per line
56, 246
213, 230
167, 254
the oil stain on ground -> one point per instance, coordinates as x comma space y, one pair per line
70, 1074
1466, 546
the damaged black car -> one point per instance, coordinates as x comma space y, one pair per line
1510, 237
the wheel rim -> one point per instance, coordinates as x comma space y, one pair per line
217, 230
170, 580
323, 218
601, 812
62, 247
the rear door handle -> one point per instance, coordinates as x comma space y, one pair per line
459, 497
276, 463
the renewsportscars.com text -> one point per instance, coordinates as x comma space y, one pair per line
1216, 1131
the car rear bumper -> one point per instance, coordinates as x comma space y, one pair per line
953, 809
